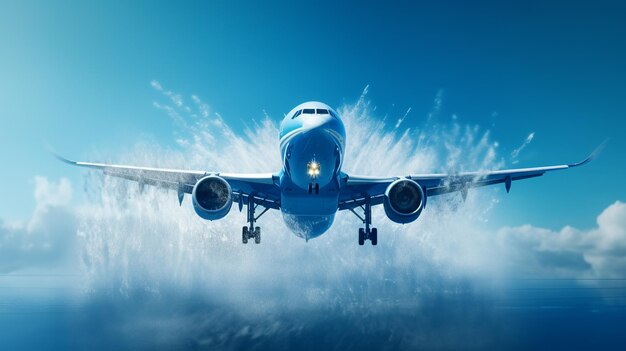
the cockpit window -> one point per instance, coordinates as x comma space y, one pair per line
312, 111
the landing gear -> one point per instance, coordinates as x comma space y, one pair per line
367, 233
374, 236
250, 231
245, 235
257, 235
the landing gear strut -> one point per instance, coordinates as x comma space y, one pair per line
250, 231
367, 233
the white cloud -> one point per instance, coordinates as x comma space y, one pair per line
156, 85
596, 253
52, 194
45, 241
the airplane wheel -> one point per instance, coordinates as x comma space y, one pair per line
257, 235
244, 235
361, 236
374, 236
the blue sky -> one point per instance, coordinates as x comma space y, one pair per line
486, 84
76, 75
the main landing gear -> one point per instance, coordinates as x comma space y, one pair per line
367, 233
250, 231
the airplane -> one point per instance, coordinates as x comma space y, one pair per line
311, 186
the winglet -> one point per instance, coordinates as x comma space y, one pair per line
57, 156
591, 156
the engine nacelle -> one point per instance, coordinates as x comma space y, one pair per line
404, 200
212, 197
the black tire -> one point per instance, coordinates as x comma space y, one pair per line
257, 235
361, 236
374, 236
244, 235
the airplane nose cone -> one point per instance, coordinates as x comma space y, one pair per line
313, 158
315, 121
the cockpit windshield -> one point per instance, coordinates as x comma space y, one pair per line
312, 111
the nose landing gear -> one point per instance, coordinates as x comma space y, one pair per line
246, 234
372, 235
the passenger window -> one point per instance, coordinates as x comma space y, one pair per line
322, 111
296, 114
308, 111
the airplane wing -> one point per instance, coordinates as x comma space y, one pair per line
358, 188
260, 186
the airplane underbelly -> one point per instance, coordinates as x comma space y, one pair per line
309, 215
308, 227
309, 204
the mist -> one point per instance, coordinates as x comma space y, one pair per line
148, 273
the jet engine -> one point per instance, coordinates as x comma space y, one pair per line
404, 200
212, 197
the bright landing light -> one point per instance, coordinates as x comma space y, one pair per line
313, 169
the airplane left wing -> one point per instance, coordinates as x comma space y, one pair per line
357, 188
261, 186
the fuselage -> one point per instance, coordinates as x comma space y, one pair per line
312, 142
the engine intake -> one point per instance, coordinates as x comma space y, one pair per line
404, 200
212, 197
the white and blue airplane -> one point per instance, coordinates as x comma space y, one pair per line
311, 187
